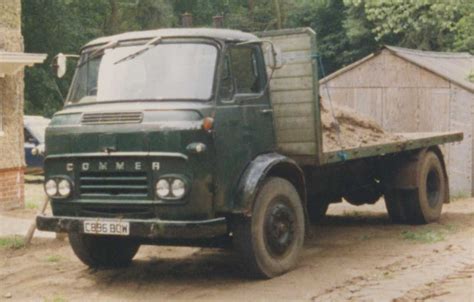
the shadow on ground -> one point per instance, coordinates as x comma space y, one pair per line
334, 233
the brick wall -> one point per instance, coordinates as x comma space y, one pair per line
11, 111
11, 188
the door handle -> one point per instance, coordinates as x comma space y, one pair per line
266, 111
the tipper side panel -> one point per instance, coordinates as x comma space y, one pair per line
294, 93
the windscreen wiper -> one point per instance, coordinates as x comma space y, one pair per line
98, 52
149, 45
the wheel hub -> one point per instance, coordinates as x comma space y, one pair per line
433, 184
279, 229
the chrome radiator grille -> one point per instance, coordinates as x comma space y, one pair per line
101, 118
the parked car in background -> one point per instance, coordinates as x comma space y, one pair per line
34, 128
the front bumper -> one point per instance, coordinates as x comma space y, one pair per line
142, 228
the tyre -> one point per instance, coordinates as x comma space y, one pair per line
103, 251
426, 206
270, 240
394, 205
423, 204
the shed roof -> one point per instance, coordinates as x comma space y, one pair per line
452, 66
215, 33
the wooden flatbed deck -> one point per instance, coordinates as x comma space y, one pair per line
409, 141
415, 140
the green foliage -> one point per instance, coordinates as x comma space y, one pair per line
53, 26
53, 258
470, 76
420, 24
429, 233
31, 206
347, 30
327, 19
56, 298
464, 30
423, 236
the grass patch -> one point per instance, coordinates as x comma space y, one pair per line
56, 299
53, 258
356, 214
12, 242
451, 228
459, 196
431, 233
31, 205
424, 236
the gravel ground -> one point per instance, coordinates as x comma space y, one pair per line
356, 254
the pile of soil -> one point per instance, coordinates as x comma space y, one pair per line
351, 130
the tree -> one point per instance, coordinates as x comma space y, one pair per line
347, 30
420, 24
326, 17
464, 29
53, 26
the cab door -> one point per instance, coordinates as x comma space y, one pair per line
243, 120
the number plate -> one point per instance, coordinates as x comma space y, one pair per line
107, 228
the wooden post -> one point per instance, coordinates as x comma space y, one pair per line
31, 230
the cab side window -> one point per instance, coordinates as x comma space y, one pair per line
242, 72
227, 84
245, 69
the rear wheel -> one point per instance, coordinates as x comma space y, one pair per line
394, 205
271, 240
103, 251
423, 204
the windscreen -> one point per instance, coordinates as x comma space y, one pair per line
167, 71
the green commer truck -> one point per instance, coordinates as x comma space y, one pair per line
208, 137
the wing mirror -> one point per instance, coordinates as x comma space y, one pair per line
59, 64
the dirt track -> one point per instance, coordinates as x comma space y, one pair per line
356, 254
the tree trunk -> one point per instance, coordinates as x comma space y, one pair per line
276, 3
111, 26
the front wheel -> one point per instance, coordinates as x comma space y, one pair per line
103, 251
270, 240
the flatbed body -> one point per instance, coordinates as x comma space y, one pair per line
407, 142
297, 108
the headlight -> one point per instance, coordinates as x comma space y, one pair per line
51, 188
162, 188
178, 188
64, 188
